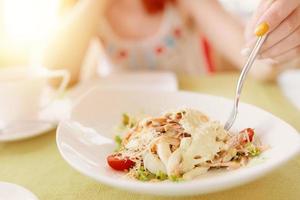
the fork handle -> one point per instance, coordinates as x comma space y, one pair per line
242, 78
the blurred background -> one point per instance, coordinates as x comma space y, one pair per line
25, 25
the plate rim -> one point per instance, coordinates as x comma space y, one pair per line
164, 189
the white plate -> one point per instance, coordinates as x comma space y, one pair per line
9, 191
86, 149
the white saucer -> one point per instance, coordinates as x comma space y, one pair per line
9, 191
24, 129
61, 109
45, 122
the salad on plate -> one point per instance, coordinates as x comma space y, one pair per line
180, 145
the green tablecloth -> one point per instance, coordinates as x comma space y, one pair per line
37, 165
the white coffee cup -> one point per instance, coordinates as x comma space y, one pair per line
22, 89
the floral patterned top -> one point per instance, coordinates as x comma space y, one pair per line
174, 47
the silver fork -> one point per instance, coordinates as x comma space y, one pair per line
260, 41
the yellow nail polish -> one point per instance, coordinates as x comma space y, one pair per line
261, 29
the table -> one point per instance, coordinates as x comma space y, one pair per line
37, 165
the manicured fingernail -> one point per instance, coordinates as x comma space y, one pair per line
245, 51
261, 29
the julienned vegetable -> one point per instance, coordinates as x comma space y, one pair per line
180, 145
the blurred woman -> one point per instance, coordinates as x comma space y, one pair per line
179, 35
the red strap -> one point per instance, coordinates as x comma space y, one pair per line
209, 64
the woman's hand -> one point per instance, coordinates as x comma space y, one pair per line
283, 18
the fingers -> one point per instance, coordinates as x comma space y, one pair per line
263, 71
278, 11
283, 46
275, 13
286, 28
289, 55
286, 35
282, 17
263, 6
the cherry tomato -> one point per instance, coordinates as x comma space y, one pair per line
119, 164
250, 133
